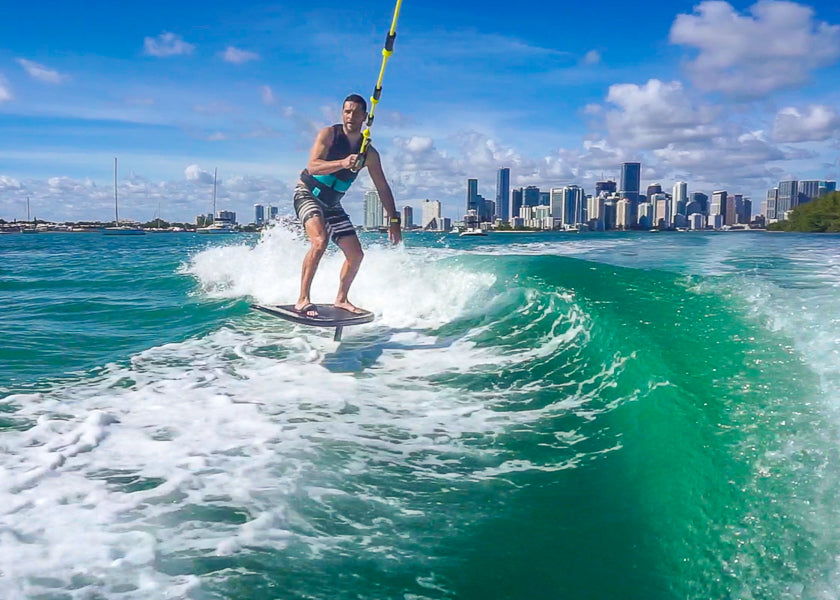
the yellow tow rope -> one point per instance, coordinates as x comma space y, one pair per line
387, 51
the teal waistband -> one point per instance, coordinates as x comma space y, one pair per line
339, 185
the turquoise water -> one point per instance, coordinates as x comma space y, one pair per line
530, 416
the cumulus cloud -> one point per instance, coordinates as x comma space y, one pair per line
776, 46
656, 114
817, 123
195, 174
40, 72
5, 90
166, 44
8, 184
238, 56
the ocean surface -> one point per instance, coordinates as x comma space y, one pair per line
530, 416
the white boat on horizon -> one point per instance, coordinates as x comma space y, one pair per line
472, 231
118, 229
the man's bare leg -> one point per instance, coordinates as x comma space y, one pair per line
318, 239
353, 255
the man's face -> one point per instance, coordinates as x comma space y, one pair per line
352, 115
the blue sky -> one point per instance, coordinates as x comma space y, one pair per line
722, 95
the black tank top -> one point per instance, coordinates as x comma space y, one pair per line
331, 187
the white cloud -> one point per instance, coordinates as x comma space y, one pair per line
238, 56
40, 72
65, 198
267, 95
195, 174
656, 114
166, 44
817, 123
5, 90
9, 184
593, 57
775, 47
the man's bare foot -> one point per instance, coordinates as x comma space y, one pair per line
348, 307
306, 308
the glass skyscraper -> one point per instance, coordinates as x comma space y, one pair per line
630, 181
515, 202
472, 195
503, 194
531, 196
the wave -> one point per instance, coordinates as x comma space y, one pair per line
507, 412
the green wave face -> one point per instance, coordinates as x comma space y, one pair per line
674, 444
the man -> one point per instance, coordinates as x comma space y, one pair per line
334, 163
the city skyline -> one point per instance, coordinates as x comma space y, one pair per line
696, 94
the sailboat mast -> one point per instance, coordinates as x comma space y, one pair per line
116, 206
214, 193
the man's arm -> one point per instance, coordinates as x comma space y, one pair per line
318, 165
374, 166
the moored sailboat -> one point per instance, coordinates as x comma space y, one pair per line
118, 229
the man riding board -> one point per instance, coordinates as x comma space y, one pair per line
334, 163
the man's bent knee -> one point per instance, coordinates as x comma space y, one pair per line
319, 243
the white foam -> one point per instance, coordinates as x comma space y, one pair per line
205, 447
404, 288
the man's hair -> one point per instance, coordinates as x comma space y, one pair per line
357, 99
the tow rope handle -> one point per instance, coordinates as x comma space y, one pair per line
387, 51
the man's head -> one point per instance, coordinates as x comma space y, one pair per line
353, 113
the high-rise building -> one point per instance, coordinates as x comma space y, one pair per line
556, 202
431, 215
374, 212
771, 204
273, 211
788, 198
734, 205
610, 214
630, 181
226, 216
826, 187
472, 195
259, 214
702, 201
808, 190
661, 205
644, 215
717, 207
503, 194
531, 196
573, 206
595, 211
653, 188
605, 187
679, 198
623, 218
515, 202
745, 211
697, 221
408, 217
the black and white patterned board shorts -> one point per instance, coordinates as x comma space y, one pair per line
307, 206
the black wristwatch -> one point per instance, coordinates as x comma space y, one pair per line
395, 220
